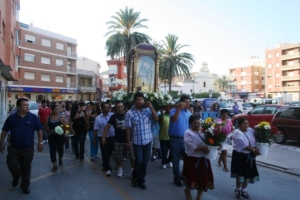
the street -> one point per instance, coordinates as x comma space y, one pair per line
75, 180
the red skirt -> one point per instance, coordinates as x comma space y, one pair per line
197, 173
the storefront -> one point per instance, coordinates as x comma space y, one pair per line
34, 94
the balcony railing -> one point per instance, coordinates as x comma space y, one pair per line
289, 67
290, 78
256, 73
72, 55
87, 88
291, 88
71, 85
85, 72
71, 70
290, 56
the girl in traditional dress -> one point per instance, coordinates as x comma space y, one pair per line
197, 173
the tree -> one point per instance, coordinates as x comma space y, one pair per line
172, 62
122, 33
222, 83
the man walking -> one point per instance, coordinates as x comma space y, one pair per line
43, 115
235, 108
138, 126
22, 126
179, 123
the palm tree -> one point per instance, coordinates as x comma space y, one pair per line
222, 83
172, 62
122, 33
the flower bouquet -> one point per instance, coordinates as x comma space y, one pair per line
121, 95
214, 136
263, 136
63, 130
158, 99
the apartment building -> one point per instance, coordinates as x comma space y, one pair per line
283, 70
89, 82
246, 77
117, 72
9, 52
47, 66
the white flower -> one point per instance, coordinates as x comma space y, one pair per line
267, 127
257, 126
145, 95
156, 95
59, 130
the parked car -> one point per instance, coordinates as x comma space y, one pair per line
228, 107
294, 103
258, 114
287, 121
244, 107
33, 108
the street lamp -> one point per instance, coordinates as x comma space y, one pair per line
193, 79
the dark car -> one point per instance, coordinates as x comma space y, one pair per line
258, 114
287, 121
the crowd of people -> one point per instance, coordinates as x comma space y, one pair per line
139, 133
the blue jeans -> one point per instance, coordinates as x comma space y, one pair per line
142, 156
93, 148
177, 150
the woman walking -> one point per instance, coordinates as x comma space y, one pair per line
67, 111
56, 142
94, 145
197, 173
243, 163
78, 126
227, 128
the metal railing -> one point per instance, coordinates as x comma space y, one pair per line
71, 85
72, 55
287, 78
71, 70
288, 56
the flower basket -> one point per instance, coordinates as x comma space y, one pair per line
58, 130
213, 152
122, 95
263, 148
213, 133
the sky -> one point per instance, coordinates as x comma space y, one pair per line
219, 32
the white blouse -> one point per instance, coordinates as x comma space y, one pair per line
191, 141
241, 141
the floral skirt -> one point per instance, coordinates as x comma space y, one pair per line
244, 167
197, 173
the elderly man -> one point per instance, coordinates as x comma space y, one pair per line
22, 126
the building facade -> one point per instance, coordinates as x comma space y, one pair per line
46, 68
283, 71
117, 72
246, 77
89, 82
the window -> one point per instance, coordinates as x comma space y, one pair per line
45, 77
113, 69
269, 75
270, 109
46, 43
277, 54
269, 86
204, 84
269, 65
45, 60
291, 63
30, 38
277, 65
269, 56
258, 110
277, 85
60, 46
29, 57
288, 113
59, 62
29, 75
276, 75
59, 79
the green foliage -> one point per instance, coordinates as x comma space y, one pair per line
222, 83
174, 94
206, 95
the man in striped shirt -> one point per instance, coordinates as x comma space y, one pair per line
138, 127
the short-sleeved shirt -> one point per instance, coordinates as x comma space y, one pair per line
100, 123
118, 121
22, 129
140, 124
163, 131
178, 128
44, 114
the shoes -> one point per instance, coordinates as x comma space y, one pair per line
108, 173
178, 183
134, 183
25, 190
153, 158
67, 149
60, 162
92, 159
120, 173
238, 194
164, 166
245, 195
15, 182
170, 165
54, 169
142, 186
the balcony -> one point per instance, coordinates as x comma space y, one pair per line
72, 55
18, 82
256, 73
71, 85
243, 74
81, 72
290, 56
256, 82
71, 70
87, 88
291, 78
291, 88
290, 67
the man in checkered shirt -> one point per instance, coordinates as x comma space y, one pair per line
138, 128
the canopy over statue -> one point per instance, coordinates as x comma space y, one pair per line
142, 71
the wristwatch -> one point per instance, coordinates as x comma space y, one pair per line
41, 143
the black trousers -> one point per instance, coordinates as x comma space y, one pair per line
19, 163
56, 144
106, 151
79, 138
166, 156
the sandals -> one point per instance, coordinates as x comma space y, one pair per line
54, 169
60, 162
225, 169
245, 195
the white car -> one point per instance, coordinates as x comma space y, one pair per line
244, 107
33, 108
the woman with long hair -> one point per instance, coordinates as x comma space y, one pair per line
56, 142
243, 163
197, 173
91, 118
226, 129
78, 126
67, 111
